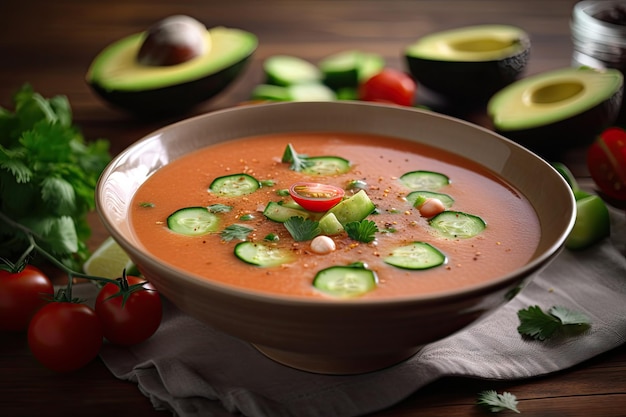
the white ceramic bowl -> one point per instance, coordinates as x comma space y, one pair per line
325, 335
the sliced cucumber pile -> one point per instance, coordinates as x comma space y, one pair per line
234, 185
193, 221
417, 255
457, 225
345, 281
353, 209
336, 77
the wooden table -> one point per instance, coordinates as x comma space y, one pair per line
50, 45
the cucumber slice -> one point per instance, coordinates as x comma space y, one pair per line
345, 281
280, 213
261, 254
424, 180
417, 255
349, 68
353, 209
311, 92
329, 225
270, 92
326, 165
193, 221
447, 200
592, 223
285, 70
235, 185
457, 225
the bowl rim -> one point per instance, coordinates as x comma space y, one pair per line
527, 270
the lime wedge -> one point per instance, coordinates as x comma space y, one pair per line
109, 260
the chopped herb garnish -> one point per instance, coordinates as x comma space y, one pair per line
535, 323
362, 231
282, 192
302, 229
219, 208
236, 232
146, 204
498, 402
267, 183
298, 161
272, 237
247, 217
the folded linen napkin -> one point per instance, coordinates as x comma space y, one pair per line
194, 370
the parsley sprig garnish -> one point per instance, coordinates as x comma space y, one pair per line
302, 229
498, 402
539, 325
298, 161
235, 232
363, 231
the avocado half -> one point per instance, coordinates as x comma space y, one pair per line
469, 63
117, 76
558, 110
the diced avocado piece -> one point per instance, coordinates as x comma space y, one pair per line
354, 208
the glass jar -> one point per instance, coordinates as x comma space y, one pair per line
598, 29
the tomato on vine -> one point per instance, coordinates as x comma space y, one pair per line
23, 291
130, 310
65, 335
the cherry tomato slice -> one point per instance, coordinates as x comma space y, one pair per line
316, 197
389, 86
606, 160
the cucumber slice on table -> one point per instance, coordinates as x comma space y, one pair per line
345, 281
285, 70
417, 255
193, 221
261, 254
457, 225
326, 165
296, 92
349, 68
235, 185
424, 180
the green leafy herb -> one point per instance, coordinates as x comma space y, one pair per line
48, 174
498, 402
235, 232
146, 204
302, 229
267, 183
298, 162
363, 231
272, 237
219, 208
247, 217
535, 323
282, 192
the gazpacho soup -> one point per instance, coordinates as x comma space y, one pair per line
334, 216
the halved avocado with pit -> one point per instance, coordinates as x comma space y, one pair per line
150, 90
469, 63
558, 110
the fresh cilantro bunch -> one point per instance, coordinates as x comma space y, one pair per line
48, 174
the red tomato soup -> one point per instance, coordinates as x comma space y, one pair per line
376, 163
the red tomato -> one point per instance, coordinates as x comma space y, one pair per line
606, 161
316, 197
389, 86
132, 320
65, 336
21, 295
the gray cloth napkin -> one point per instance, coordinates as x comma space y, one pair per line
194, 370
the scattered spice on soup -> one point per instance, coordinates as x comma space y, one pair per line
334, 215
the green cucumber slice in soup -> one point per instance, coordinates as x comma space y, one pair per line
345, 281
280, 213
447, 200
234, 185
424, 180
417, 255
261, 254
193, 221
457, 225
353, 209
326, 165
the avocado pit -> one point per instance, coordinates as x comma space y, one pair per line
172, 41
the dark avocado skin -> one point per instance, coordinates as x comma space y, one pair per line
554, 140
467, 81
175, 99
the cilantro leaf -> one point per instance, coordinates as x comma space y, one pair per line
298, 161
219, 208
498, 402
362, 231
235, 232
537, 324
302, 229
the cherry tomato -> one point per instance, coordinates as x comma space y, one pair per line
316, 197
606, 161
21, 295
389, 86
130, 315
65, 336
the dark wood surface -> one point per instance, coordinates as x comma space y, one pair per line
50, 45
